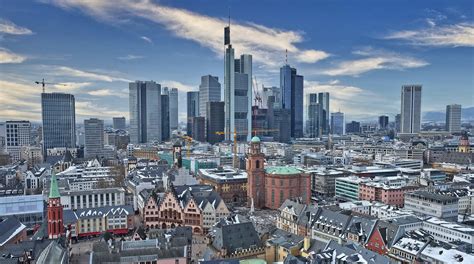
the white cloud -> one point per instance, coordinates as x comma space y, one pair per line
267, 44
374, 60
107, 92
184, 88
6, 56
352, 100
68, 86
456, 35
8, 27
147, 39
87, 109
130, 57
72, 72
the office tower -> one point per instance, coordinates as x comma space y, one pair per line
453, 118
314, 109
94, 138
18, 134
209, 91
174, 116
165, 117
119, 123
398, 121
59, 120
192, 110
3, 137
338, 124
215, 121
292, 98
272, 94
145, 112
323, 100
198, 129
353, 127
411, 109
259, 121
237, 92
281, 124
383, 122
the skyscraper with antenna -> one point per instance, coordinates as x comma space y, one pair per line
237, 91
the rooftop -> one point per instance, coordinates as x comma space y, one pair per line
282, 170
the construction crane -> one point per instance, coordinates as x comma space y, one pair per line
256, 94
234, 148
188, 140
43, 83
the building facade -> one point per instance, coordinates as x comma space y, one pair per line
192, 110
18, 134
338, 123
209, 91
215, 121
119, 123
453, 118
94, 137
432, 204
410, 109
145, 112
59, 120
291, 85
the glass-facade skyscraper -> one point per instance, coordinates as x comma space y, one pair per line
453, 118
292, 98
94, 137
145, 112
209, 91
59, 120
192, 99
410, 109
338, 124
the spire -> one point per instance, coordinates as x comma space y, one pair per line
286, 56
54, 190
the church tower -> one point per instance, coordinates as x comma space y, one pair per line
55, 210
256, 174
464, 145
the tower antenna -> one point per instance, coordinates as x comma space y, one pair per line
229, 16
286, 56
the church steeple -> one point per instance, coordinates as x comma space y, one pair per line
55, 210
53, 189
256, 174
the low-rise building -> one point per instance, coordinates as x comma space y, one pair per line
323, 182
347, 188
12, 231
74, 199
231, 184
445, 231
432, 204
29, 209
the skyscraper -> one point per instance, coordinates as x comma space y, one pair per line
119, 123
215, 121
18, 134
453, 118
145, 112
323, 100
338, 124
198, 129
59, 120
273, 95
165, 117
209, 91
237, 92
383, 122
94, 137
410, 109
353, 127
398, 120
314, 108
174, 116
292, 98
192, 110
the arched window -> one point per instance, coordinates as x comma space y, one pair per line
257, 165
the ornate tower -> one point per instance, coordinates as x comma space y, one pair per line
256, 174
55, 210
177, 159
464, 145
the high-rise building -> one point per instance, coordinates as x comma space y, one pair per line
398, 121
338, 124
215, 121
119, 123
314, 108
94, 138
281, 123
292, 98
209, 91
272, 94
145, 112
165, 117
353, 127
199, 132
323, 100
18, 134
192, 110
237, 92
410, 109
59, 120
453, 118
174, 116
383, 122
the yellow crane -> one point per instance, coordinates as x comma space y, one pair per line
234, 148
188, 140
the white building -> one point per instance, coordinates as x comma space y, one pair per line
92, 198
448, 231
432, 204
18, 134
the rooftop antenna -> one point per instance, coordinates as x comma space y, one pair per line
286, 56
229, 16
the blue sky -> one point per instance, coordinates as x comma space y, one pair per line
359, 51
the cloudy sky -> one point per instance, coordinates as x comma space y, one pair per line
359, 51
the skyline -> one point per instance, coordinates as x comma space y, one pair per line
362, 64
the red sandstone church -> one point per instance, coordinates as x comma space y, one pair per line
270, 187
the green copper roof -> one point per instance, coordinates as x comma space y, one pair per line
282, 170
255, 139
252, 261
53, 189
